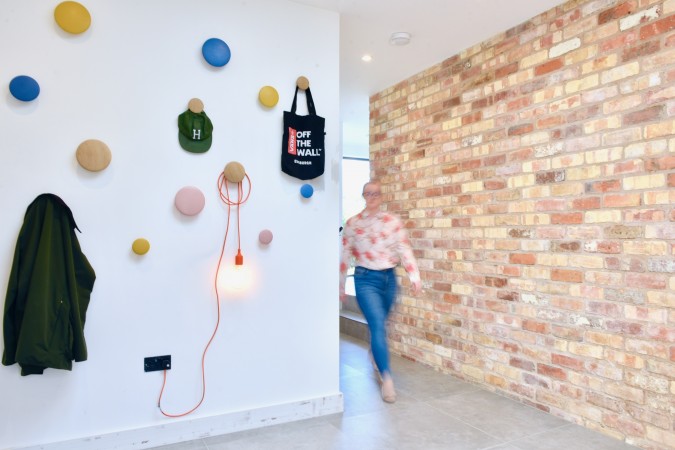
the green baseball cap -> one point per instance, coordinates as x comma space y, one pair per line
195, 131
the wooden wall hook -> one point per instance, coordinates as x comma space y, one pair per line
302, 83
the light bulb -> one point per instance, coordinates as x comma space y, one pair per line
236, 279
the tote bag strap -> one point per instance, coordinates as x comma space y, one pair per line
310, 102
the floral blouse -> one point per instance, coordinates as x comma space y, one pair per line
377, 242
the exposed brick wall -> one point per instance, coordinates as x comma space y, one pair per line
535, 172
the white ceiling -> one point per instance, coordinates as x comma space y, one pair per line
439, 30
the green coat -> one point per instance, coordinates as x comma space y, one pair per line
48, 292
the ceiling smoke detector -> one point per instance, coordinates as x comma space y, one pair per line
399, 38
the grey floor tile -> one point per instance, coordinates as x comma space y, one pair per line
313, 434
427, 384
409, 426
570, 436
503, 447
499, 416
197, 444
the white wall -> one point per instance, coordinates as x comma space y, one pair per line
124, 82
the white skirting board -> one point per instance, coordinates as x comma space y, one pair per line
174, 431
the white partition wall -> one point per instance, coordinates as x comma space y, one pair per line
124, 81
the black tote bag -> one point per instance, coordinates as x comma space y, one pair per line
303, 154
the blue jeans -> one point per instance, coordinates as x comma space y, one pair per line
376, 294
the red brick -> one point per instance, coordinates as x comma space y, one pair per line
461, 222
521, 129
493, 185
423, 142
586, 203
621, 200
568, 132
513, 271
505, 95
442, 287
471, 118
628, 166
646, 281
645, 115
574, 246
520, 155
571, 334
624, 425
568, 218
419, 154
449, 103
550, 371
466, 166
519, 104
570, 391
482, 316
620, 41
662, 26
551, 205
546, 41
519, 29
536, 326
433, 192
481, 103
567, 361
495, 281
494, 160
661, 333
604, 186
552, 176
609, 247
451, 298
506, 44
644, 215
522, 364
604, 401
619, 11
380, 137
606, 309
664, 163
582, 114
637, 51
505, 71
629, 328
535, 380
572, 276
549, 66
508, 296
522, 258
433, 338
496, 305
550, 121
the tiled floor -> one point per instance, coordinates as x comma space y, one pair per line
433, 411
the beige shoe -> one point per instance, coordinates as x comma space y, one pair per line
388, 391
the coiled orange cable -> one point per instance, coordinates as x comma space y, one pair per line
225, 197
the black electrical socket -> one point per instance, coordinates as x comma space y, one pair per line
154, 363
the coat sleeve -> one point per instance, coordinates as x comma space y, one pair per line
13, 314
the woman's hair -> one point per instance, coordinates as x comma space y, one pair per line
370, 182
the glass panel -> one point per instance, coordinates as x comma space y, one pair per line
355, 173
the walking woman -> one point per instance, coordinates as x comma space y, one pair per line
377, 243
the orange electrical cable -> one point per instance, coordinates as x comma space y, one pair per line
226, 199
